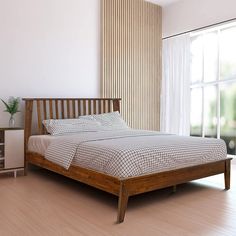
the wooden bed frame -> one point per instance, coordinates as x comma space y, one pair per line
61, 108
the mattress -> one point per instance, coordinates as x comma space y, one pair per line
128, 153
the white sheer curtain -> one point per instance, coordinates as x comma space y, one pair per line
175, 94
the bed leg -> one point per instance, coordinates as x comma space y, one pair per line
227, 174
122, 204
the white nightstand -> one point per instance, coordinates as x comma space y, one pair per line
11, 150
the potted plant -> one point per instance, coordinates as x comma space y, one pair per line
12, 107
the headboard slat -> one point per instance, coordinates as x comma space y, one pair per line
62, 109
68, 108
56, 107
79, 107
104, 106
84, 108
51, 109
73, 108
45, 109
39, 117
99, 106
89, 107
109, 105
94, 106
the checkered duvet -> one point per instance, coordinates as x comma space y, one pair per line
133, 152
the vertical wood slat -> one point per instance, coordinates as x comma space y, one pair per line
56, 107
73, 108
104, 106
62, 109
51, 109
45, 114
94, 106
131, 63
99, 106
79, 107
109, 105
68, 108
89, 107
84, 108
40, 128
45, 109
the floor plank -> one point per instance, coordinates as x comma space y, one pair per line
44, 203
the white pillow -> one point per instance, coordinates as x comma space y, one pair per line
108, 121
63, 126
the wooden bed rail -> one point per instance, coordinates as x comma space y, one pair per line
64, 108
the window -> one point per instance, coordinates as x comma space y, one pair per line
213, 84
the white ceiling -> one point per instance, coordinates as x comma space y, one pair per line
162, 2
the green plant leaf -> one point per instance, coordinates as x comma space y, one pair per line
8, 109
12, 106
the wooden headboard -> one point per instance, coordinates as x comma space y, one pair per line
64, 108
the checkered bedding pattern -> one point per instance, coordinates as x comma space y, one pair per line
130, 153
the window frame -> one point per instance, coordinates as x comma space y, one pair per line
217, 83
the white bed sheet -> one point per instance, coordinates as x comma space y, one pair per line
40, 143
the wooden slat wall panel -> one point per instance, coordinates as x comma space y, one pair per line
131, 62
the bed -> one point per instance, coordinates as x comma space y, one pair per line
114, 176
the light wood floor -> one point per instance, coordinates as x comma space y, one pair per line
44, 203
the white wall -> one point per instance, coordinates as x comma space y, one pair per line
191, 14
48, 48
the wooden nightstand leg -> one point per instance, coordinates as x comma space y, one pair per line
15, 173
